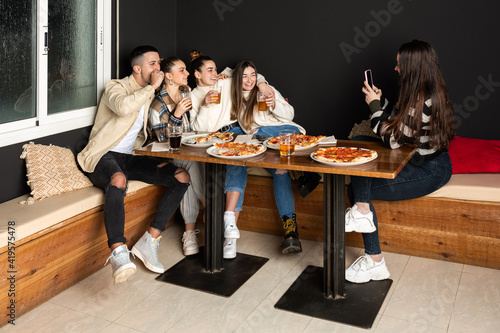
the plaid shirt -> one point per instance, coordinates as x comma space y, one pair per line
161, 113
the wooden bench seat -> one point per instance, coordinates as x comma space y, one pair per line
52, 259
463, 231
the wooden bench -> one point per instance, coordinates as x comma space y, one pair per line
49, 260
458, 230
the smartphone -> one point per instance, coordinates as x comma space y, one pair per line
369, 77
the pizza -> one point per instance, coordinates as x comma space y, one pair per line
227, 136
238, 148
344, 155
302, 140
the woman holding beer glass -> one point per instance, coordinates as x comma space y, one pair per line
277, 116
423, 117
171, 108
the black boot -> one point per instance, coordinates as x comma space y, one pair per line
291, 243
308, 182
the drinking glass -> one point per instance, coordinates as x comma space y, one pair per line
287, 142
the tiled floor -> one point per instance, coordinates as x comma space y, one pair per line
426, 296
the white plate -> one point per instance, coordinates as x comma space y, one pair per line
213, 151
190, 141
344, 164
277, 147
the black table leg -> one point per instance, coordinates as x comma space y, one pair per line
340, 301
208, 271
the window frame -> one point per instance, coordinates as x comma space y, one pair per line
43, 124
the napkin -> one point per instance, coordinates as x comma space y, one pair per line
160, 146
246, 139
328, 141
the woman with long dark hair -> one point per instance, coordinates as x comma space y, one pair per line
423, 117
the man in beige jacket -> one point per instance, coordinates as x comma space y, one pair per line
119, 128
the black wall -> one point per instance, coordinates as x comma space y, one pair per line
298, 46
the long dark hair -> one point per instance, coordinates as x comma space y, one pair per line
420, 78
238, 102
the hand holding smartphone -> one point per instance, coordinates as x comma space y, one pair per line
369, 77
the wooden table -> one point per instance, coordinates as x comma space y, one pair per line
337, 300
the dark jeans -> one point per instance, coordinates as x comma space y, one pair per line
141, 168
414, 181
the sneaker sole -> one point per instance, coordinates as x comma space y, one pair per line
146, 263
291, 246
123, 274
232, 234
366, 281
229, 256
191, 252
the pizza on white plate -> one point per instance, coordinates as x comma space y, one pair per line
302, 140
227, 136
344, 155
238, 148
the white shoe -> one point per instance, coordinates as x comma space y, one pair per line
190, 242
230, 229
122, 267
229, 248
355, 221
365, 269
146, 249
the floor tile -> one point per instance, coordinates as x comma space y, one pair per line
35, 318
395, 325
74, 321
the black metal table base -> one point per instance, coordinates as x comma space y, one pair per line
190, 273
360, 306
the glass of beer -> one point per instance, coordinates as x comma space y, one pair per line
174, 137
218, 90
287, 142
261, 102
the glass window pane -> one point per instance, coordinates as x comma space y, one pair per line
72, 82
17, 60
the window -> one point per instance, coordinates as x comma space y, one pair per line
55, 60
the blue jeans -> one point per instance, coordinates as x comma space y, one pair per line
236, 178
141, 168
414, 181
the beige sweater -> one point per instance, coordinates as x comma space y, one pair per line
118, 109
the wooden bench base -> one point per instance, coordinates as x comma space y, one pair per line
58, 257
461, 231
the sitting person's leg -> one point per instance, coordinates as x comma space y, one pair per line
283, 196
190, 204
235, 183
176, 180
109, 177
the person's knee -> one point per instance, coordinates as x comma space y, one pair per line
182, 175
119, 180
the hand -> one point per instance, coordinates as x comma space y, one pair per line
371, 94
270, 102
157, 79
222, 76
182, 107
265, 89
210, 97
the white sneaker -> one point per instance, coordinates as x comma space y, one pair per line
229, 248
230, 229
355, 221
190, 242
365, 269
123, 268
146, 249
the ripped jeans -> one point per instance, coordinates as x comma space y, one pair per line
141, 168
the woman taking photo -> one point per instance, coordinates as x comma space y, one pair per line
170, 107
423, 117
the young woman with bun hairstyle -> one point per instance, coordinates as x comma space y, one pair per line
170, 107
423, 117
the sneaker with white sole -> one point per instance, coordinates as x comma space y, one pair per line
229, 248
123, 268
365, 269
230, 229
358, 222
190, 242
146, 249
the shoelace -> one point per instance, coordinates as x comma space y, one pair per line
289, 226
111, 255
190, 234
358, 263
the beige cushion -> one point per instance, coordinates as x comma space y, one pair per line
52, 170
477, 186
30, 219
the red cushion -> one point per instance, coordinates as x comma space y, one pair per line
474, 155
